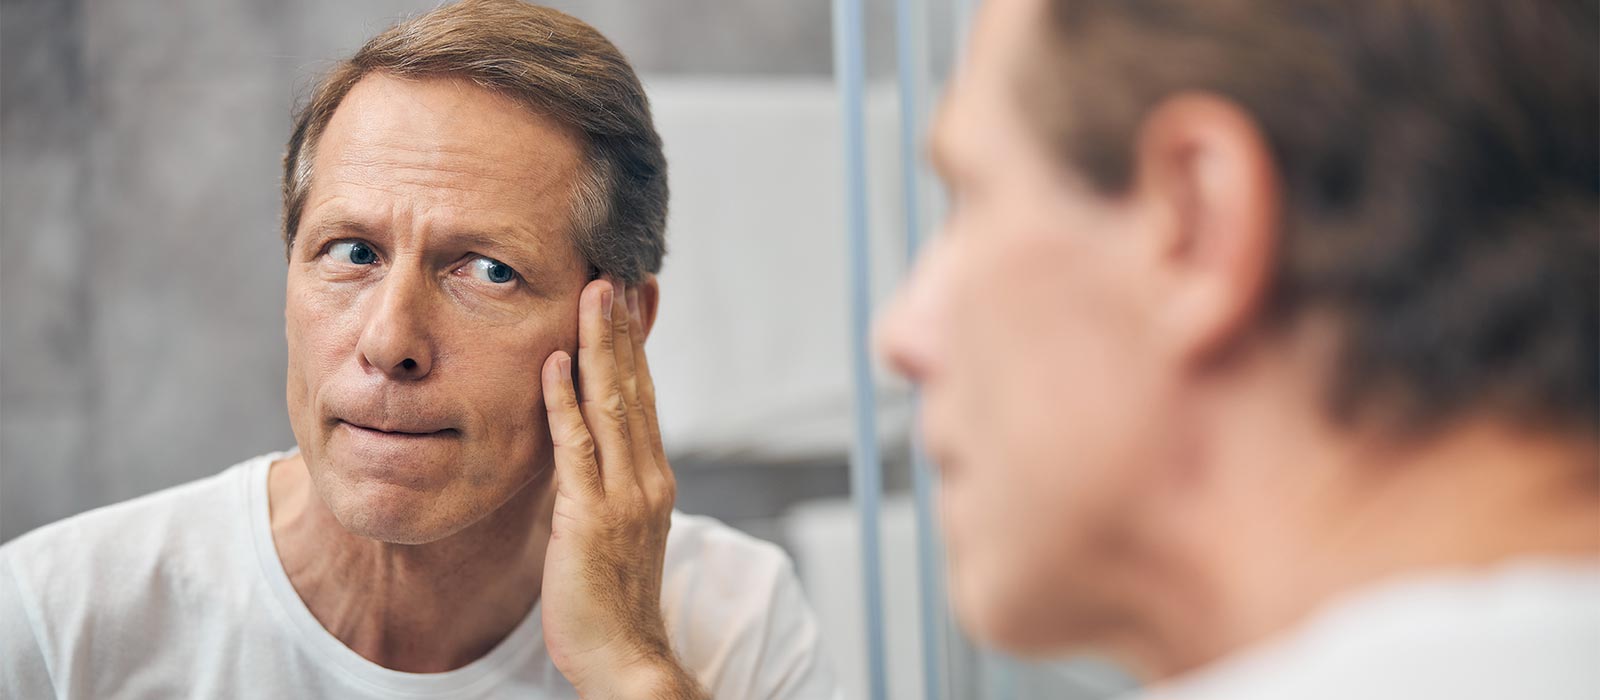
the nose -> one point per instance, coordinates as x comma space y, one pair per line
395, 338
905, 330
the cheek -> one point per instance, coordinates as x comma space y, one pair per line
1048, 348
320, 321
320, 331
1046, 400
497, 372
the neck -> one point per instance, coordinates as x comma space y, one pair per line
1298, 528
419, 608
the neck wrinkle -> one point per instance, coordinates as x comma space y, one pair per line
425, 608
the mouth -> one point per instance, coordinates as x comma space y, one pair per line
401, 432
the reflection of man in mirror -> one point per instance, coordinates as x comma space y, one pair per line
474, 208
1260, 349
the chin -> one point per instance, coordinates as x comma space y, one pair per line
398, 515
1010, 612
984, 612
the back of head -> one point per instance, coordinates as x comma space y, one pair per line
1440, 164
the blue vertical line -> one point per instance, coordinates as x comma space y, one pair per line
866, 471
929, 570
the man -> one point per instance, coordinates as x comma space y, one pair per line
479, 505
1260, 349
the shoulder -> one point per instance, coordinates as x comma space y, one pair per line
703, 545
186, 512
1524, 630
120, 554
716, 572
716, 576
737, 614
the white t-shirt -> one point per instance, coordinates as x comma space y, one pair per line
181, 594
1529, 630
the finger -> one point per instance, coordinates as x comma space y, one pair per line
605, 410
658, 471
574, 446
628, 348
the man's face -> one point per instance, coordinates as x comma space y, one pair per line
1022, 325
431, 276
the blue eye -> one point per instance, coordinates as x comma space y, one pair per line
490, 270
353, 252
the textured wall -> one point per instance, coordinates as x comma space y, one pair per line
141, 275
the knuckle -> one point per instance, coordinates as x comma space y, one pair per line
666, 495
577, 440
616, 408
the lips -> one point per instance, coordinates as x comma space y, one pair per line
383, 414
399, 430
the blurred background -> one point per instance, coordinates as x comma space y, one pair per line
142, 273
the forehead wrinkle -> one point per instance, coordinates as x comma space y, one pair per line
501, 142
371, 159
541, 201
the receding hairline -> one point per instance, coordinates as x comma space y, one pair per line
556, 65
583, 162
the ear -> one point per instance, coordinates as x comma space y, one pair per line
1206, 166
649, 302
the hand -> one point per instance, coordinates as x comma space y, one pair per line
614, 495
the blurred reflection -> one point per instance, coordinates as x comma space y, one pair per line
1259, 349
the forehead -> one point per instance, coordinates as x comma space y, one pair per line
447, 146
981, 96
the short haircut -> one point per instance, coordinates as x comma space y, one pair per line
556, 66
1438, 160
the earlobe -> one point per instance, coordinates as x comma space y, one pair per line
1208, 165
649, 302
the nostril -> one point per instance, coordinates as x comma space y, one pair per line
408, 364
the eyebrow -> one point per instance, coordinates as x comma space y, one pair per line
322, 231
339, 226
501, 242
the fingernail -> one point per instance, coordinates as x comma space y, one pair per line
633, 303
565, 365
605, 304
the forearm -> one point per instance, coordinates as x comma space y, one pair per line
653, 675
662, 679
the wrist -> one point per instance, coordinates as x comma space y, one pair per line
650, 676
